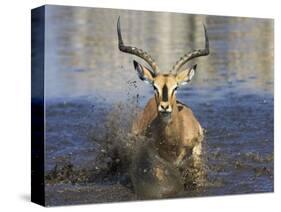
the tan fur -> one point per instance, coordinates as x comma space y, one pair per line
175, 140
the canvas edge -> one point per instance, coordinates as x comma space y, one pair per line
37, 105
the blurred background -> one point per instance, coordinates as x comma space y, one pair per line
82, 58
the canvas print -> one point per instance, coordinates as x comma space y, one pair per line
138, 105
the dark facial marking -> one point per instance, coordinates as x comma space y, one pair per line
155, 89
165, 93
174, 91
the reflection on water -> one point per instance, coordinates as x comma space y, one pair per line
231, 94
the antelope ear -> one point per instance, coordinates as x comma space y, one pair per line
186, 75
144, 73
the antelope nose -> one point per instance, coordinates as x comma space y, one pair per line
164, 107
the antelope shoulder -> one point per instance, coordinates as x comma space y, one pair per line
145, 117
190, 129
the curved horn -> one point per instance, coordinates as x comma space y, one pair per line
192, 54
135, 51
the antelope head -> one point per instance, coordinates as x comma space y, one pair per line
165, 85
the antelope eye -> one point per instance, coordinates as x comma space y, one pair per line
175, 88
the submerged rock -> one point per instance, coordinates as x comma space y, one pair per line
152, 176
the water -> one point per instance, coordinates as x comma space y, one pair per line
90, 84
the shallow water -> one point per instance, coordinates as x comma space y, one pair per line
91, 86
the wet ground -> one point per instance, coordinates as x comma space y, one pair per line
238, 151
93, 93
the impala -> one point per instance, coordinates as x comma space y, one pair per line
172, 125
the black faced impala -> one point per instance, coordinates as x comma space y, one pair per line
175, 130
